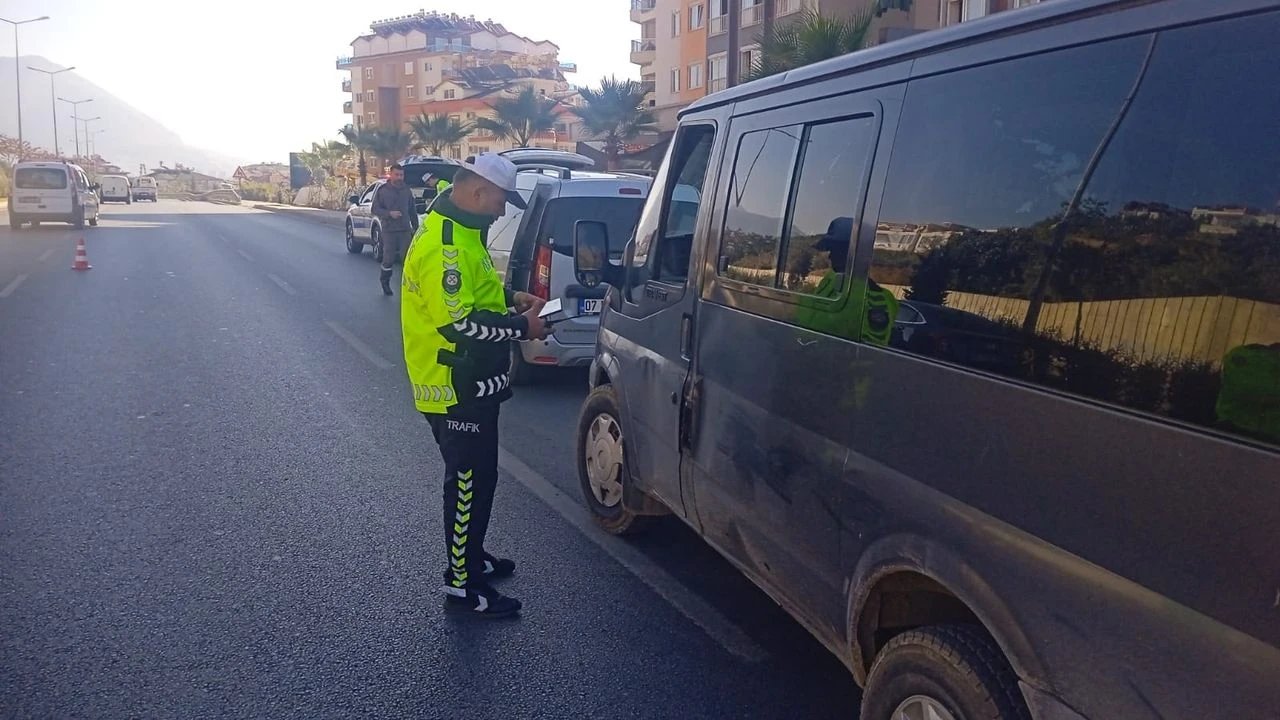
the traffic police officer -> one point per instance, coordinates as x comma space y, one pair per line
457, 324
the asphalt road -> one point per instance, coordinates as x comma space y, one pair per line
216, 500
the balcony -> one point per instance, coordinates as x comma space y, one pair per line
642, 10
345, 62
788, 7
346, 107
642, 51
346, 86
752, 14
717, 85
719, 25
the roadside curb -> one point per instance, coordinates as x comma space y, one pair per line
320, 217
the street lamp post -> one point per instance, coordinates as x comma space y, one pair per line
17, 69
53, 100
75, 110
88, 143
86, 122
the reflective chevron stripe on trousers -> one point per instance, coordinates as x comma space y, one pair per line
468, 441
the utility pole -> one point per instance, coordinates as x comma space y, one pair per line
53, 100
86, 122
75, 110
17, 70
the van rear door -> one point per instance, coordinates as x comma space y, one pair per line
42, 190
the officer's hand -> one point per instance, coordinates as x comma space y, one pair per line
526, 302
538, 328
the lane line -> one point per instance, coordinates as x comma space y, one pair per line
245, 255
698, 611
11, 287
45, 255
283, 285
358, 345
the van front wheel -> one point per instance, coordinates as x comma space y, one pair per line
949, 672
602, 470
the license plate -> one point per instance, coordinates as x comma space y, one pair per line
28, 200
590, 307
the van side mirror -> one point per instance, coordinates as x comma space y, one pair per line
353, 200
590, 251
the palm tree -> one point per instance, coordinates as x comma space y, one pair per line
811, 38
359, 138
390, 146
436, 132
330, 154
520, 118
616, 114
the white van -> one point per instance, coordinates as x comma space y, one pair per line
533, 249
115, 188
144, 188
52, 192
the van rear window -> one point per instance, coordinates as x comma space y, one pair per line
621, 215
40, 179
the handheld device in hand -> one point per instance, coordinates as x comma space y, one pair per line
552, 312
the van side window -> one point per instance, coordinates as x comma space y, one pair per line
664, 236
758, 192
1159, 290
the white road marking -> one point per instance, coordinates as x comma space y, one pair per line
713, 623
358, 345
11, 287
283, 285
45, 255
245, 255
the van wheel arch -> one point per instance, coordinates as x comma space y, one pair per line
894, 592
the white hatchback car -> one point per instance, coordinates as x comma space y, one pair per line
52, 192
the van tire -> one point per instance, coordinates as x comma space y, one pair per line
77, 220
15, 222
93, 221
615, 520
522, 372
958, 666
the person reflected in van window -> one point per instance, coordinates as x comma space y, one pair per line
878, 307
1249, 400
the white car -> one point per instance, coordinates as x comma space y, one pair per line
533, 249
52, 192
115, 188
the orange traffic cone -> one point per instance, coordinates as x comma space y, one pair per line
82, 257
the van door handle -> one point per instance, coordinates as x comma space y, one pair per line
686, 336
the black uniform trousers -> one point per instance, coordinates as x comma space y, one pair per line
468, 440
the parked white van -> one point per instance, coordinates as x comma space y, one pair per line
52, 192
115, 188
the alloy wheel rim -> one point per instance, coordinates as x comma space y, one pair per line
604, 460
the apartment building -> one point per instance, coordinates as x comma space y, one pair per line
689, 48
438, 63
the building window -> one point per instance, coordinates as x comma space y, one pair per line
408, 68
719, 17
675, 80
410, 91
695, 76
471, 116
450, 94
1024, 3
368, 73
752, 12
719, 72
371, 118
426, 67
747, 60
455, 152
675, 24
697, 16
958, 11
787, 7
562, 129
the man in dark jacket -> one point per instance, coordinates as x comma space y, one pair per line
393, 205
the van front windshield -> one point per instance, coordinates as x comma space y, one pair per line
619, 213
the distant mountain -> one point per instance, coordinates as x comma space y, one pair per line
132, 137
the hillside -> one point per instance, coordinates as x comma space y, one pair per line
131, 137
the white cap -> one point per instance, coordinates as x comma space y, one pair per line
499, 171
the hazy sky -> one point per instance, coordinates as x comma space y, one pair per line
256, 79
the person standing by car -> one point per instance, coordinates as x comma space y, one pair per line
393, 205
457, 326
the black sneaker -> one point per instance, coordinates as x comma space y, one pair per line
385, 280
498, 568
480, 600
